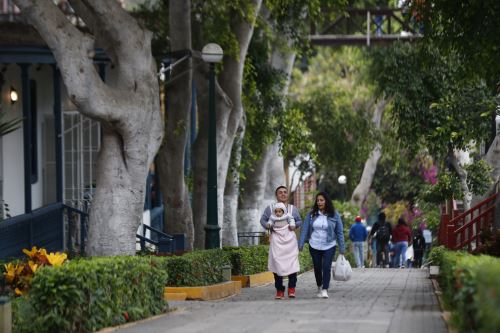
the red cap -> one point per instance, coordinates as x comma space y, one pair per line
358, 218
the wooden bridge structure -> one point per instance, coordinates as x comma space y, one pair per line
368, 26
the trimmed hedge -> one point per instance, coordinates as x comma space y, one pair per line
197, 268
471, 289
87, 295
248, 260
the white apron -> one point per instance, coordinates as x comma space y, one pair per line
283, 252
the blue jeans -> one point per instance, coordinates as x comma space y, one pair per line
322, 262
358, 254
400, 251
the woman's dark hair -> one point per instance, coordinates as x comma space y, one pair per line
381, 217
329, 209
401, 221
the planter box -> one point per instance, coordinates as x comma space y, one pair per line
433, 271
205, 293
254, 280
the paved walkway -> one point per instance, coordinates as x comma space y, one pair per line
374, 300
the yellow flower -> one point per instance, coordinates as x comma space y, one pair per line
56, 259
33, 266
31, 253
10, 272
20, 292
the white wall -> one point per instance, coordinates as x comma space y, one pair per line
12, 146
12, 158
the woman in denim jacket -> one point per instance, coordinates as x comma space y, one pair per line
323, 230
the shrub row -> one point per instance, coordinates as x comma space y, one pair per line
86, 295
471, 289
247, 260
197, 268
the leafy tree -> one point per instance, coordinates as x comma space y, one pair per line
337, 108
436, 108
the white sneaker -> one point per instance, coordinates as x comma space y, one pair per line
319, 294
324, 293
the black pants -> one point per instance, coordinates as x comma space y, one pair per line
278, 281
322, 261
418, 255
382, 254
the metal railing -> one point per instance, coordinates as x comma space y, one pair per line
464, 230
51, 227
252, 238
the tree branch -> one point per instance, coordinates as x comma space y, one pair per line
130, 42
74, 53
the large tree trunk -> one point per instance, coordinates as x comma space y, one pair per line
228, 121
363, 187
127, 108
256, 179
275, 174
178, 216
231, 192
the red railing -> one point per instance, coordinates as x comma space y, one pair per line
464, 231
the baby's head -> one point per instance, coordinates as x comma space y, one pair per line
279, 212
279, 209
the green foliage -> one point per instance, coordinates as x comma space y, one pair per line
447, 186
435, 107
86, 295
431, 215
448, 183
339, 110
197, 268
479, 177
398, 174
467, 28
247, 260
469, 286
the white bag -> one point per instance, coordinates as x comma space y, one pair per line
409, 253
342, 270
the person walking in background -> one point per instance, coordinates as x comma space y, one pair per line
283, 254
358, 234
323, 229
382, 231
418, 247
401, 238
428, 241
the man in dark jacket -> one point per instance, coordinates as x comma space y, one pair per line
382, 231
358, 234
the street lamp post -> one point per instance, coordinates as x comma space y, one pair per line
212, 54
343, 181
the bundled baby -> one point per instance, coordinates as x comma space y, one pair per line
280, 217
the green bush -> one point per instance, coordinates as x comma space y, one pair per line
247, 260
86, 295
470, 289
198, 268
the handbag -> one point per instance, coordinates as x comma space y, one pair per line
342, 270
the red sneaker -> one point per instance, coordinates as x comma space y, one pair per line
291, 292
280, 294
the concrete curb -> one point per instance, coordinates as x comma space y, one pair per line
254, 280
445, 314
207, 293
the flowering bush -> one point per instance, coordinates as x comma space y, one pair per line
19, 275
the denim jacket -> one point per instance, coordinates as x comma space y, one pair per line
335, 230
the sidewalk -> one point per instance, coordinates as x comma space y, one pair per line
374, 300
